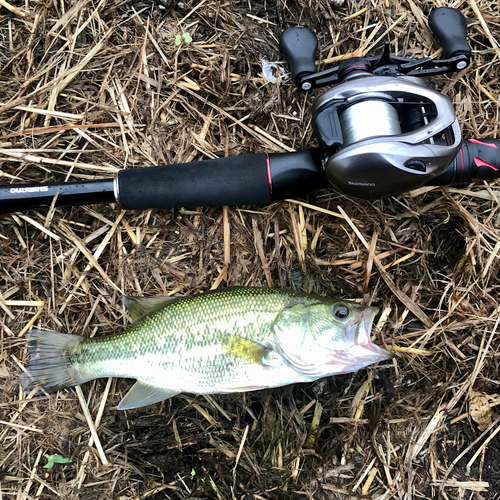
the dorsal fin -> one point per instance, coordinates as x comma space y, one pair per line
140, 307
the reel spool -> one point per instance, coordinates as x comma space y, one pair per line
370, 118
366, 116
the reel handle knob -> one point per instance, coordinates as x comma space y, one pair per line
450, 27
300, 45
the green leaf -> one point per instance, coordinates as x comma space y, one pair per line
187, 37
55, 459
178, 40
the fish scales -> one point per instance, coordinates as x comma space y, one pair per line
229, 340
174, 340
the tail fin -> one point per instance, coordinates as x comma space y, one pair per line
51, 367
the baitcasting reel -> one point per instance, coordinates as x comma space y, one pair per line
381, 129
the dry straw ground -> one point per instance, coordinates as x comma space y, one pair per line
89, 87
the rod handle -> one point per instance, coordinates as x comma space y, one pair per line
236, 180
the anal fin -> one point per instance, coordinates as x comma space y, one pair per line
142, 394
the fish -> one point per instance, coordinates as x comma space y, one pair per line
223, 341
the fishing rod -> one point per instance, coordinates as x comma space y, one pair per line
382, 131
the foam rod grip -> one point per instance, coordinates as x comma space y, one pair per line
238, 180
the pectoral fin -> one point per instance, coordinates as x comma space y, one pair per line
246, 349
143, 394
140, 307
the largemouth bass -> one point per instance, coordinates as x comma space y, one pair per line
229, 340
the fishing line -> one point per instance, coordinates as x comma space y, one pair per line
369, 118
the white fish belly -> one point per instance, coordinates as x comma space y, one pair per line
213, 376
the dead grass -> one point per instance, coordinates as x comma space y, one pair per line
94, 86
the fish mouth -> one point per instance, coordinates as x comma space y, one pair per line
363, 337
363, 351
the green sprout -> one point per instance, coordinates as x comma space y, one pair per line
55, 459
186, 36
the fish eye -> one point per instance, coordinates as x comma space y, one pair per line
341, 312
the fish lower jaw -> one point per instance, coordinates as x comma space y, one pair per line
357, 357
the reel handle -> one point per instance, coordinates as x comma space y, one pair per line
300, 45
450, 28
